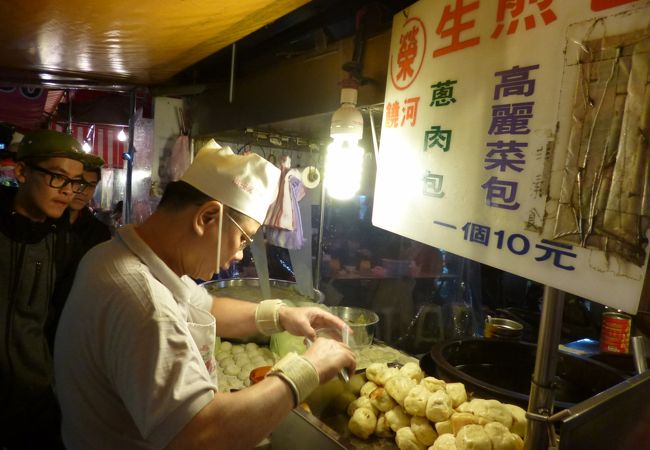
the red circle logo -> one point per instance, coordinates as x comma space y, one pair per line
406, 64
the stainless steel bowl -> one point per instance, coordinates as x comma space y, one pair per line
241, 288
499, 328
249, 289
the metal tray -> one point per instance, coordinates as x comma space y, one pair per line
290, 286
335, 430
616, 419
334, 424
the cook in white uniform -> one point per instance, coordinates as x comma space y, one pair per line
133, 354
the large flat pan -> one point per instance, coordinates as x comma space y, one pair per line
503, 370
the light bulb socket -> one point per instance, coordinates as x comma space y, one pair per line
347, 123
349, 95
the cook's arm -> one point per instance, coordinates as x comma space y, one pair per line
235, 318
240, 420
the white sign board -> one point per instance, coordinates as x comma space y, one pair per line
513, 135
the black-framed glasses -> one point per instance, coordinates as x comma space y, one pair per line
59, 181
247, 239
89, 184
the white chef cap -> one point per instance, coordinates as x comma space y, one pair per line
246, 183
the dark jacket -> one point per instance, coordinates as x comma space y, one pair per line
88, 231
33, 258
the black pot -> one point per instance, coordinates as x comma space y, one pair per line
503, 370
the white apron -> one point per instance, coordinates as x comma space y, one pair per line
203, 329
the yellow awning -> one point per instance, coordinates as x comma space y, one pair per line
128, 41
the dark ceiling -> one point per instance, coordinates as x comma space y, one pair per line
305, 31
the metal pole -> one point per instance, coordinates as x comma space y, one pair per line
321, 225
68, 128
638, 354
541, 390
231, 92
375, 145
129, 162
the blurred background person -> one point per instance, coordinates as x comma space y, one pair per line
86, 229
83, 232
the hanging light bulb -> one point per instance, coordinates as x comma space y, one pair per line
88, 142
121, 136
344, 156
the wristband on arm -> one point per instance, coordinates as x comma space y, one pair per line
298, 373
267, 317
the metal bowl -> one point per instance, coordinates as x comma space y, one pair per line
249, 289
499, 328
240, 288
363, 323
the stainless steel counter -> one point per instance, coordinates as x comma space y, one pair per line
302, 430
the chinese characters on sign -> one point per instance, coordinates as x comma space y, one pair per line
451, 26
508, 119
408, 113
405, 65
408, 51
437, 137
457, 21
433, 185
516, 10
443, 95
518, 244
484, 100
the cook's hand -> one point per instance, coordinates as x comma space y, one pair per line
305, 321
329, 357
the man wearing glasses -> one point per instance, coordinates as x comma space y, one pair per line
33, 261
134, 352
87, 230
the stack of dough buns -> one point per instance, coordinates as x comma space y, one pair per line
425, 413
235, 362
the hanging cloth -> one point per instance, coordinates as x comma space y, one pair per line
290, 239
180, 157
280, 213
283, 223
180, 152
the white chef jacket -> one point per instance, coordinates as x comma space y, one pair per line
128, 373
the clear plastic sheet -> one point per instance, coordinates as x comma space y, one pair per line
604, 198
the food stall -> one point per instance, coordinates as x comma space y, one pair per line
478, 146
529, 145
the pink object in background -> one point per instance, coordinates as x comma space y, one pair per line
180, 157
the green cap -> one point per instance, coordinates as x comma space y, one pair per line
50, 144
92, 162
